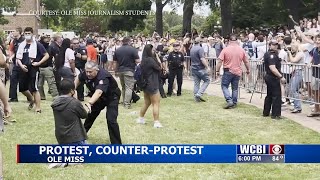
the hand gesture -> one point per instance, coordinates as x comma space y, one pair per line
283, 80
24, 68
36, 64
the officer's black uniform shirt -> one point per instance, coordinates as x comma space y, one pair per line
271, 58
78, 61
103, 81
175, 60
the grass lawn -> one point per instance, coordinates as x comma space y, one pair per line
185, 122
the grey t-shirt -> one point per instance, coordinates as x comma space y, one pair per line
196, 53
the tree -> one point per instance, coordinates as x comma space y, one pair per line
127, 22
226, 17
9, 6
159, 16
187, 16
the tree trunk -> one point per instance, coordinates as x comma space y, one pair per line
187, 16
159, 17
293, 9
226, 17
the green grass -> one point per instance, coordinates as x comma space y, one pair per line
185, 122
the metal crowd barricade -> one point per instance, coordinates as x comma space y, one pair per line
300, 81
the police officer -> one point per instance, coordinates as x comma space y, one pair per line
176, 65
80, 54
273, 79
104, 92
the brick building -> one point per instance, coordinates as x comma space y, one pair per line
23, 17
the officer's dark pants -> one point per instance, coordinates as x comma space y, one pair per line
57, 78
161, 90
111, 115
273, 98
172, 74
80, 89
14, 80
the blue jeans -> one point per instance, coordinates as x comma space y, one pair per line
295, 85
228, 78
199, 75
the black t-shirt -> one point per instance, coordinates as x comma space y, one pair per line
80, 64
53, 53
48, 63
126, 57
103, 81
16, 43
40, 53
271, 58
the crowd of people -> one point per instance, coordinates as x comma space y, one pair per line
286, 59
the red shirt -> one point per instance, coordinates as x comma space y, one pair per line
92, 53
232, 56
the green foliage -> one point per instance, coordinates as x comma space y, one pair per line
9, 6
116, 23
208, 27
176, 30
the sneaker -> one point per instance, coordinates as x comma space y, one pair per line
157, 124
141, 121
229, 106
57, 165
197, 99
202, 100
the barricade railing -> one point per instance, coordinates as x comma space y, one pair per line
302, 81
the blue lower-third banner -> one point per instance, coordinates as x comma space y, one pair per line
244, 153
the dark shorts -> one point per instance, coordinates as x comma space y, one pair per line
29, 80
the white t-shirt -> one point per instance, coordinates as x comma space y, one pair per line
69, 55
285, 68
307, 47
205, 47
261, 50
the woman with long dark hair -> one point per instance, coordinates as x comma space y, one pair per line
151, 68
66, 61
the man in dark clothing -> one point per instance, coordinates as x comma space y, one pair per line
176, 65
46, 73
68, 112
104, 92
125, 59
14, 78
273, 78
81, 59
53, 53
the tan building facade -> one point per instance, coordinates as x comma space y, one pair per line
23, 17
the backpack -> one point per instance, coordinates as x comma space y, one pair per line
138, 76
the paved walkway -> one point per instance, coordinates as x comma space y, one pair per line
215, 89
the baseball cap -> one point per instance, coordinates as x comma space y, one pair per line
89, 40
